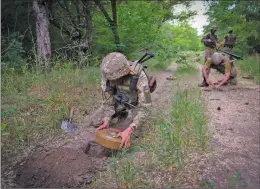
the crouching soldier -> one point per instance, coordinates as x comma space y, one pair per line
223, 64
126, 91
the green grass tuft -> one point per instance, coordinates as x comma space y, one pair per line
185, 129
251, 65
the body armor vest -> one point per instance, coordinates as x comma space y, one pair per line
124, 97
230, 40
214, 39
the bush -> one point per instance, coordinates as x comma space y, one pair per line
12, 51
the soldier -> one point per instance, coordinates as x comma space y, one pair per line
229, 41
126, 94
210, 41
223, 64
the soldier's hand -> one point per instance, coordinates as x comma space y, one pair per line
216, 86
126, 137
104, 125
209, 82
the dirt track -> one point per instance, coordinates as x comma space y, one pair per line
235, 129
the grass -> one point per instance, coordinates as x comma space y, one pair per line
251, 65
33, 105
184, 130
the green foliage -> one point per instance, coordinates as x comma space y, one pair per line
251, 65
139, 30
138, 26
173, 39
12, 51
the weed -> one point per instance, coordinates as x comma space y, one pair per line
251, 65
207, 184
184, 130
236, 181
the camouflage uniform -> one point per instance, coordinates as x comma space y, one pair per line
209, 49
115, 82
222, 64
229, 41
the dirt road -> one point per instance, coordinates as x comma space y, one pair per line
235, 130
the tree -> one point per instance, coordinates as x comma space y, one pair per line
111, 21
89, 25
42, 33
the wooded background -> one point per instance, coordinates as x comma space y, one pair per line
81, 31
40, 32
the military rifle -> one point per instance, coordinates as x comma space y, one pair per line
146, 57
123, 99
231, 55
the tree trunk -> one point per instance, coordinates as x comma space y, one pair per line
115, 28
89, 26
42, 33
112, 23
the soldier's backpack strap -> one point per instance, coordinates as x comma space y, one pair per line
136, 69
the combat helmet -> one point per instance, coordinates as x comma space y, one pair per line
214, 27
230, 29
115, 65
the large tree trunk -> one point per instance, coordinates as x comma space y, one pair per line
89, 26
42, 33
112, 23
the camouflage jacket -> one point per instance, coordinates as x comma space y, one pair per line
123, 83
213, 37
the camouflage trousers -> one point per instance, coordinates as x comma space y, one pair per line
233, 75
208, 54
121, 122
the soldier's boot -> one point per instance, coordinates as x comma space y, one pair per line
203, 84
232, 81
